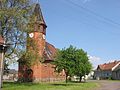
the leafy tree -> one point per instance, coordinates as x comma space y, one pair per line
64, 60
14, 18
73, 61
82, 63
13, 23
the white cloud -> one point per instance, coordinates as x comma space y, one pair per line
95, 61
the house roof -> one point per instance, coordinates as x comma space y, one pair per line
49, 52
108, 66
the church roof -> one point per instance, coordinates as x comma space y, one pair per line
49, 52
108, 66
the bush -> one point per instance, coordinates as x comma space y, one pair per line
110, 78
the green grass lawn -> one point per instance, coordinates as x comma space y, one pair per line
49, 86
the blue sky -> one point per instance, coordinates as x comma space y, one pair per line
69, 24
93, 25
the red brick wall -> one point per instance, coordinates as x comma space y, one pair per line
45, 72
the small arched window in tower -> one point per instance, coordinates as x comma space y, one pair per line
40, 28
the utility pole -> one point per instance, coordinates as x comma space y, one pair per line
3, 48
1, 66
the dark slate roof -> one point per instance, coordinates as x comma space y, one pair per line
49, 52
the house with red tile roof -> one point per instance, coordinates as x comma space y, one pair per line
108, 70
40, 71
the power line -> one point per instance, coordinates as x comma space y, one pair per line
94, 13
96, 26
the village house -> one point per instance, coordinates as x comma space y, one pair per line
108, 70
40, 71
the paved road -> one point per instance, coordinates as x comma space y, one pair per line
109, 85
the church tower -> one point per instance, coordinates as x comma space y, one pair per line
38, 34
36, 43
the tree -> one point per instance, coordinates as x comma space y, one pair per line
64, 60
14, 18
13, 24
73, 61
82, 64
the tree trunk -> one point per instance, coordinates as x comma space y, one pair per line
80, 78
66, 78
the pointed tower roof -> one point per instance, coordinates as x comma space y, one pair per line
38, 13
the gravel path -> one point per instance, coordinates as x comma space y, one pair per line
109, 85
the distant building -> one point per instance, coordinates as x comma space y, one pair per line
108, 70
12, 75
40, 71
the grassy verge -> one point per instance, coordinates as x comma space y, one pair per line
49, 86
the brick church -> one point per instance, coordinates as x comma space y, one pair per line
40, 71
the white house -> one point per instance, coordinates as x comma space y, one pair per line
108, 70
